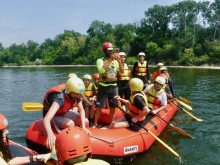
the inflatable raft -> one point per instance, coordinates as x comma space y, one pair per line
109, 142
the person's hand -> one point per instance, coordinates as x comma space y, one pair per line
134, 119
50, 141
117, 97
153, 111
88, 132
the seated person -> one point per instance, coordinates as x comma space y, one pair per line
157, 72
166, 87
156, 96
164, 70
137, 107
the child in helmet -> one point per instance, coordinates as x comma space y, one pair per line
156, 96
58, 102
90, 94
138, 107
5, 152
157, 72
96, 81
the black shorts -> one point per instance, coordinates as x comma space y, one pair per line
104, 93
135, 126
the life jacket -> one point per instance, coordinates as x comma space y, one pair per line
110, 75
152, 97
134, 110
67, 104
125, 75
88, 91
141, 69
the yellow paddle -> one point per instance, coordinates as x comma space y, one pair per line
158, 139
184, 104
198, 119
184, 100
32, 106
176, 128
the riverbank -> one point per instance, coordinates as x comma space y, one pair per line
201, 67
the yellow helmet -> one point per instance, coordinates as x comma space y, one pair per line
136, 84
72, 75
141, 54
87, 76
160, 80
122, 54
75, 84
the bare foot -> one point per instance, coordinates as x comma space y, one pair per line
111, 126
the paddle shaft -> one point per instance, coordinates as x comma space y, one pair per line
158, 139
174, 127
198, 119
184, 104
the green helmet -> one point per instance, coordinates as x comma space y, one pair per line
75, 84
136, 84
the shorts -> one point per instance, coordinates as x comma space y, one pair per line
62, 120
104, 93
135, 126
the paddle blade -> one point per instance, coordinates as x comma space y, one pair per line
198, 119
32, 106
181, 131
185, 100
164, 144
184, 104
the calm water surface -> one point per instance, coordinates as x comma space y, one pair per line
201, 86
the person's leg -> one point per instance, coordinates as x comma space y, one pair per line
113, 91
119, 123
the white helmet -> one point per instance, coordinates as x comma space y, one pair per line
136, 84
87, 76
163, 68
72, 75
122, 54
160, 64
75, 84
141, 54
160, 80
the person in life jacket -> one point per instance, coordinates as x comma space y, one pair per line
157, 72
156, 96
123, 80
138, 107
58, 102
90, 94
140, 69
73, 146
107, 69
5, 153
166, 87
164, 70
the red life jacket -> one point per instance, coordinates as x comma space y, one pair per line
67, 104
135, 111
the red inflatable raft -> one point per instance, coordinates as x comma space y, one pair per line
110, 142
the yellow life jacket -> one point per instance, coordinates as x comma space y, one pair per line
134, 110
88, 91
125, 75
141, 69
110, 74
152, 97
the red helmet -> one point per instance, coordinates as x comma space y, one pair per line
107, 45
3, 122
96, 76
73, 145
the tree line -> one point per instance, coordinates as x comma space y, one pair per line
185, 33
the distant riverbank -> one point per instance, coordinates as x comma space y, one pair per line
203, 66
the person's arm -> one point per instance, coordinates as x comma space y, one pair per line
120, 64
127, 102
163, 103
27, 159
82, 117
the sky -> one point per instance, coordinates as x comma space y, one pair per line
37, 20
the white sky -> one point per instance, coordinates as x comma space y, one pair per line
37, 20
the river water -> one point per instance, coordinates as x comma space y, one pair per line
200, 86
